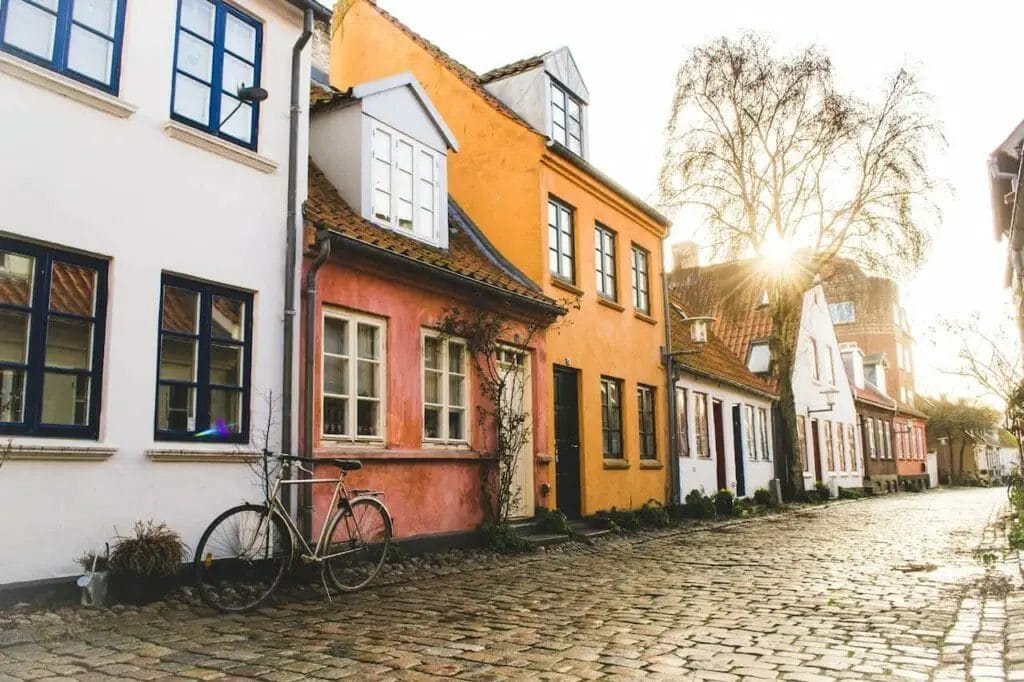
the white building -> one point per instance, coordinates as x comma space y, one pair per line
142, 263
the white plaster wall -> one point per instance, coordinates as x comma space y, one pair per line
702, 474
338, 148
528, 95
85, 180
816, 322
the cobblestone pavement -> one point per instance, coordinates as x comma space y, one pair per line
908, 586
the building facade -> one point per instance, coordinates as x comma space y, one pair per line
876, 414
140, 312
522, 172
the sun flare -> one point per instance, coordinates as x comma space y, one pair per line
778, 250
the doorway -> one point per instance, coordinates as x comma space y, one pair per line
567, 441
737, 448
816, 442
514, 365
719, 420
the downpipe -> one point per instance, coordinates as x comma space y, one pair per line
675, 492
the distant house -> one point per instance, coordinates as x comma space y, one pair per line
1004, 174
724, 416
736, 295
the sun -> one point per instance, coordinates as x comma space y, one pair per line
778, 250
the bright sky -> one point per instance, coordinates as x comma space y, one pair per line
629, 53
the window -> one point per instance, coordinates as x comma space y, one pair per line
641, 301
406, 191
611, 418
205, 362
52, 324
883, 445
352, 376
762, 425
566, 119
645, 412
681, 440
604, 262
700, 422
888, 440
840, 445
759, 358
749, 433
842, 313
801, 437
815, 369
830, 452
80, 39
869, 440
561, 259
217, 51
899, 354
851, 442
444, 389
763, 300
831, 366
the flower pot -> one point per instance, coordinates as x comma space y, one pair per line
127, 588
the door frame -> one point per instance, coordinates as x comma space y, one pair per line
718, 421
816, 445
525, 458
573, 510
739, 455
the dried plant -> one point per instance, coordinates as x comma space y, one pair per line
152, 550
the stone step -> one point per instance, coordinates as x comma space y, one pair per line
545, 539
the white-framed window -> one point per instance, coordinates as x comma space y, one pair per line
762, 426
842, 313
641, 299
831, 366
749, 431
759, 358
700, 425
604, 262
763, 300
445, 389
815, 368
851, 442
406, 187
566, 119
352, 376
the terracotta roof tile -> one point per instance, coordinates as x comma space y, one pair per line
514, 68
72, 289
468, 256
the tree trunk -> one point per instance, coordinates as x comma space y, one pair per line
960, 459
785, 327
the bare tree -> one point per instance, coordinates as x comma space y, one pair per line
962, 422
772, 159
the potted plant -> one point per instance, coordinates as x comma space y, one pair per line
95, 581
144, 564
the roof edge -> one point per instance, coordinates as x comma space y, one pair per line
407, 79
728, 382
319, 11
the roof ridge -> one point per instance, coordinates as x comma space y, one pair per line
513, 67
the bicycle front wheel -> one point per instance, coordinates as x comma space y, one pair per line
359, 538
242, 557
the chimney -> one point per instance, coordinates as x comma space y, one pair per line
685, 255
853, 361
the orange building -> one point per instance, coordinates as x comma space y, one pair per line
522, 170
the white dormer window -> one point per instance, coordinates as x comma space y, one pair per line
566, 119
406, 193
759, 359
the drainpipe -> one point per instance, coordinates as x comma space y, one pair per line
309, 340
673, 429
291, 232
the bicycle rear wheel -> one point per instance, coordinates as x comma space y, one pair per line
242, 557
359, 538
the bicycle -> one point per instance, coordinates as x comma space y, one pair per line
245, 552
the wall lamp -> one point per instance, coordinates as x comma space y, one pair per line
698, 335
830, 400
246, 95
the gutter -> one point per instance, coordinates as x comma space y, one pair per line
686, 369
291, 242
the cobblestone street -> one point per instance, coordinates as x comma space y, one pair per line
908, 586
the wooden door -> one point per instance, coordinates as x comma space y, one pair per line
567, 441
816, 443
515, 367
719, 420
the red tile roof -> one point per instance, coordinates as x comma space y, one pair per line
514, 68
469, 256
72, 289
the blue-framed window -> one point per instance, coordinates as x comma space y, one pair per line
78, 38
52, 324
205, 359
217, 51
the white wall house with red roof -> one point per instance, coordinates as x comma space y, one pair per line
143, 214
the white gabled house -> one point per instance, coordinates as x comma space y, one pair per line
143, 224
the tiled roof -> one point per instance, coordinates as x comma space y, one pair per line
872, 395
321, 95
465, 74
468, 258
514, 68
714, 360
72, 289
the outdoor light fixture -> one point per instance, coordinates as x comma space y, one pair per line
830, 400
247, 94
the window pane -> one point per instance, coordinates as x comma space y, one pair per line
404, 156
69, 343
456, 358
335, 336
178, 359
30, 28
381, 205
226, 409
12, 395
426, 195
228, 319
225, 365
382, 146
366, 417
236, 74
90, 55
191, 99
335, 416
431, 422
198, 16
13, 337
180, 310
73, 289
335, 375
96, 14
367, 380
432, 353
367, 341
239, 125
65, 399
455, 425
195, 56
432, 387
17, 273
405, 213
456, 388
240, 38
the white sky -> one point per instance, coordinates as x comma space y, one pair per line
629, 53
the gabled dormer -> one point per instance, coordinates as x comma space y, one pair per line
549, 93
384, 147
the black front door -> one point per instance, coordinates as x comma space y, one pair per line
816, 442
719, 420
567, 441
737, 448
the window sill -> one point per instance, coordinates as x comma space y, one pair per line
616, 464
609, 303
61, 453
645, 317
564, 285
218, 456
446, 445
64, 86
651, 464
434, 454
197, 138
